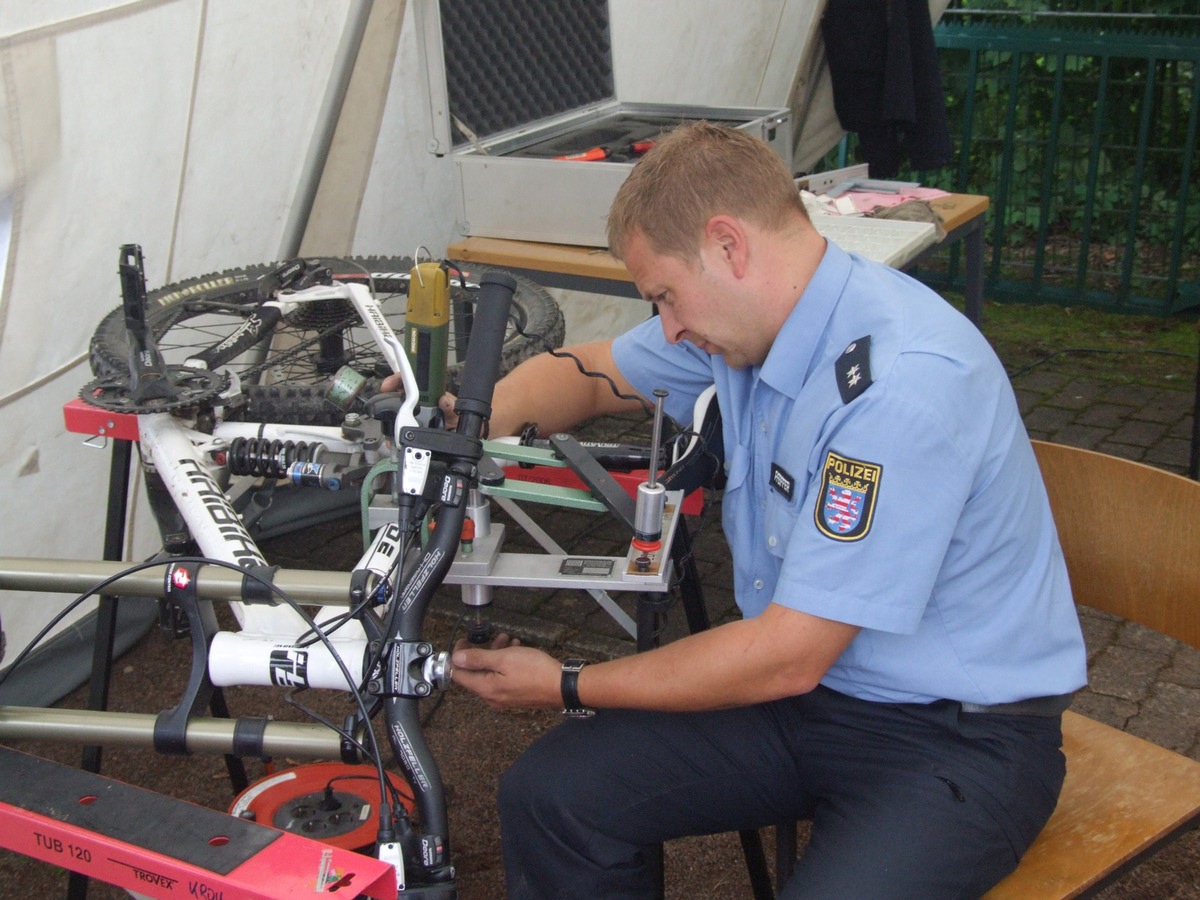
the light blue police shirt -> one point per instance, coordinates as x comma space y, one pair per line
915, 510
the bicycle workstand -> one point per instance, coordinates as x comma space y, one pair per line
152, 844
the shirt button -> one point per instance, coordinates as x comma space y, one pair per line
772, 541
758, 584
762, 426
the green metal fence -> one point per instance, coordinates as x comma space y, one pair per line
1086, 143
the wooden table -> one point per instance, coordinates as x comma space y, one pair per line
962, 217
593, 269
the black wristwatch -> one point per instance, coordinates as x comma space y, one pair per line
573, 708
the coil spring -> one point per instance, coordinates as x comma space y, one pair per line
269, 459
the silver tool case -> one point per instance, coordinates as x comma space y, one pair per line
514, 84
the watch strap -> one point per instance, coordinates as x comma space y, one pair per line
572, 706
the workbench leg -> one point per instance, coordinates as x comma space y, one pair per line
973, 289
106, 616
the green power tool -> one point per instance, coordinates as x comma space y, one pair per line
427, 329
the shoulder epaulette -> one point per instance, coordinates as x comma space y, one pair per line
853, 369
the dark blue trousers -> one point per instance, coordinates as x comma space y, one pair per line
906, 800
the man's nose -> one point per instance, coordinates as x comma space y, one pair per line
672, 330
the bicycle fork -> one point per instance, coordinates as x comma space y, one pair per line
437, 468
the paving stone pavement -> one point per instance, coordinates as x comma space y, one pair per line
1140, 681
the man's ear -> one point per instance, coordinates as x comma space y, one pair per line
726, 236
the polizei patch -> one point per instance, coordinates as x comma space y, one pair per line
846, 503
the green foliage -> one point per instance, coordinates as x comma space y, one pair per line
1082, 137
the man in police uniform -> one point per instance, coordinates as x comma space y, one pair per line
909, 639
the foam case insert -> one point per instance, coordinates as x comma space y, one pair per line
514, 84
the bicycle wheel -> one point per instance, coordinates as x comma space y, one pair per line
287, 380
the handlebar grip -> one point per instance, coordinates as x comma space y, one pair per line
496, 291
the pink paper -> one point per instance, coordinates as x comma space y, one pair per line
865, 201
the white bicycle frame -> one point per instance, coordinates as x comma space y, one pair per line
264, 652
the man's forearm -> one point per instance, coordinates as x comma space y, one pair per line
552, 392
779, 654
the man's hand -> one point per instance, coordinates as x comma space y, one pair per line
507, 675
445, 402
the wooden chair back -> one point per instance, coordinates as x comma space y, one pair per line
1131, 537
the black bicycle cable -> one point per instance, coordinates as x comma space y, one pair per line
437, 701
355, 264
290, 699
397, 794
397, 571
332, 624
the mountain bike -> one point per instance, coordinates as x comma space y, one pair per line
424, 494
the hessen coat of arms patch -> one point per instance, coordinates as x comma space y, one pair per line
846, 503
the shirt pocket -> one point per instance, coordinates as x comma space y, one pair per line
780, 521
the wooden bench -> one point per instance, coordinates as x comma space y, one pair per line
1131, 537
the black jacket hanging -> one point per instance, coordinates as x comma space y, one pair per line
887, 86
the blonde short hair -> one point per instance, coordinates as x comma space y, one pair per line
697, 171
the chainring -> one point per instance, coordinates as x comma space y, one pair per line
187, 387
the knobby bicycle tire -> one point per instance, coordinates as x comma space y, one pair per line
288, 382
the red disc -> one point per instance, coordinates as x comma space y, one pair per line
295, 800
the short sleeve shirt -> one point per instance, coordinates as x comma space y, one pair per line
878, 474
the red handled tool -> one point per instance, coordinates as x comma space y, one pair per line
593, 155
637, 148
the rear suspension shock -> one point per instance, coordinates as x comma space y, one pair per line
270, 458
